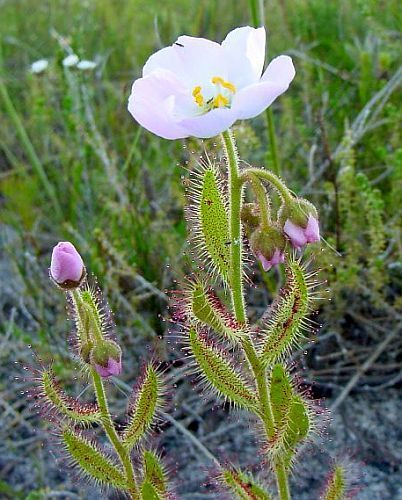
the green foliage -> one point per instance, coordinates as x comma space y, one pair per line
291, 415
91, 461
288, 313
242, 485
66, 406
154, 472
208, 310
336, 487
219, 374
147, 402
212, 226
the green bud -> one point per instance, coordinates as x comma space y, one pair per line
268, 245
250, 216
85, 351
105, 357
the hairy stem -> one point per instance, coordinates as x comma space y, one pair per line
261, 195
236, 182
235, 194
271, 178
111, 433
106, 419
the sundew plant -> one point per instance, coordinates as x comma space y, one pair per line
200, 88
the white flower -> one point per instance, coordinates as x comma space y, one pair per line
200, 88
71, 60
39, 66
85, 65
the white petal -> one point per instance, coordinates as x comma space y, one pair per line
152, 103
254, 99
210, 124
245, 52
193, 60
280, 71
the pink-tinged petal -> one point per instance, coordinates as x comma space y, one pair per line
66, 263
295, 234
312, 231
210, 124
193, 60
245, 52
266, 264
152, 103
278, 257
280, 71
254, 99
113, 368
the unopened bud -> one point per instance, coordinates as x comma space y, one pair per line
66, 268
268, 245
250, 216
105, 357
299, 219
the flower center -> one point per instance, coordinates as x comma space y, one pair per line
222, 98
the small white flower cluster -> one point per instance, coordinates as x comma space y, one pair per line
71, 61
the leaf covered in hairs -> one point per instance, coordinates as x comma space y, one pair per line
147, 402
91, 461
242, 485
219, 373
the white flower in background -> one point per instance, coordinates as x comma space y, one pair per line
86, 65
200, 88
70, 61
39, 66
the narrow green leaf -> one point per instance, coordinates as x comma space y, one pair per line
285, 326
144, 408
337, 485
154, 472
149, 492
243, 486
208, 309
281, 395
292, 419
67, 406
219, 374
91, 461
214, 222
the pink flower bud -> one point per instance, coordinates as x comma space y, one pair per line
66, 268
300, 235
268, 245
113, 368
105, 357
278, 257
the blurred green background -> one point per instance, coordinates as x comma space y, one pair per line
75, 166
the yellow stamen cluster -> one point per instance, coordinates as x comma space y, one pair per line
217, 80
199, 99
220, 101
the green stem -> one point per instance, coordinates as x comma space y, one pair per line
90, 324
235, 194
276, 167
236, 182
261, 195
111, 433
269, 176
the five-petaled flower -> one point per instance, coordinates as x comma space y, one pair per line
199, 88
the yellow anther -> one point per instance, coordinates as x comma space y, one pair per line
217, 80
220, 101
198, 98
